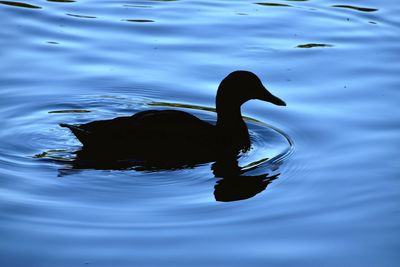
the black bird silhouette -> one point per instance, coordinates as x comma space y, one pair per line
165, 139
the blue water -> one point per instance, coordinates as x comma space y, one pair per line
333, 151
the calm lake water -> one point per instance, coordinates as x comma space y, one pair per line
323, 186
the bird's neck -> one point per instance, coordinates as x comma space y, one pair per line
232, 128
229, 117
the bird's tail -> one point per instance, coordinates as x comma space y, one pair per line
82, 134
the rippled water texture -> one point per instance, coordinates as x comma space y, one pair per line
321, 186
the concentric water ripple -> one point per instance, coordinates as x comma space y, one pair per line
320, 186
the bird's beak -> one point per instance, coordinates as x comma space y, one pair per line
267, 96
276, 100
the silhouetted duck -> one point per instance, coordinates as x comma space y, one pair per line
177, 136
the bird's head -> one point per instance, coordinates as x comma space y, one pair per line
240, 86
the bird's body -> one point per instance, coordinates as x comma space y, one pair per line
155, 134
176, 136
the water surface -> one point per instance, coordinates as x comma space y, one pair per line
323, 174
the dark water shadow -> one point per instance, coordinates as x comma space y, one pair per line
235, 188
137, 6
64, 111
81, 16
19, 4
138, 20
272, 4
233, 183
313, 45
62, 1
236, 183
362, 9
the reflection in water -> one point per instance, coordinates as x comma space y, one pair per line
80, 16
234, 183
363, 9
62, 1
56, 155
69, 111
234, 188
313, 45
194, 107
271, 4
137, 6
138, 20
18, 4
180, 105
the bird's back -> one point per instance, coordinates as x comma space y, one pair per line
153, 133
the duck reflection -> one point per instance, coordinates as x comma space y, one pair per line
236, 183
234, 188
233, 182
